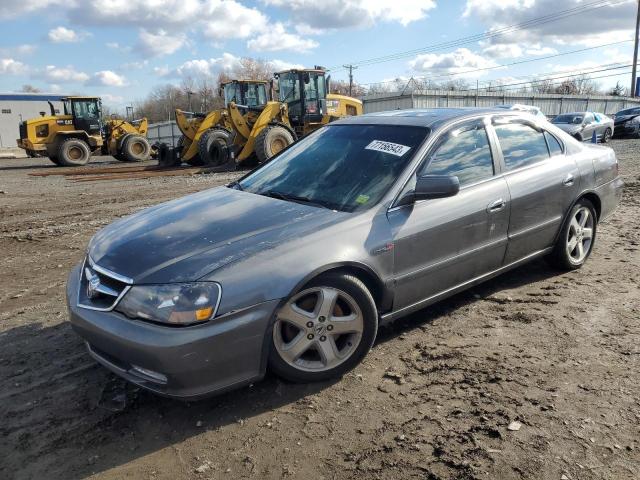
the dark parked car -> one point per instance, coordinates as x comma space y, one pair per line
627, 122
295, 266
582, 125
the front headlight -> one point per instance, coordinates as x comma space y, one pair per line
177, 304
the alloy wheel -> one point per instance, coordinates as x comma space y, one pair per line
318, 329
580, 235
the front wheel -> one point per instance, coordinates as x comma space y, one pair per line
271, 140
323, 331
607, 135
577, 237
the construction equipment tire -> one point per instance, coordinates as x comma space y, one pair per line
54, 159
73, 152
214, 147
136, 148
271, 140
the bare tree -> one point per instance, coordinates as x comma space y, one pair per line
30, 89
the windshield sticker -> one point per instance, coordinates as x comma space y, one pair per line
362, 199
388, 147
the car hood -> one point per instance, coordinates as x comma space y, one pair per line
623, 118
187, 238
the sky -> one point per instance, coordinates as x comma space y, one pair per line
121, 49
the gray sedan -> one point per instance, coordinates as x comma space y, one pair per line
294, 267
583, 125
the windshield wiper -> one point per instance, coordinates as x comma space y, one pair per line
235, 185
294, 198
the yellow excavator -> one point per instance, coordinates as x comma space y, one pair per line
253, 127
71, 138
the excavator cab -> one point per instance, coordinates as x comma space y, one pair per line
305, 93
86, 113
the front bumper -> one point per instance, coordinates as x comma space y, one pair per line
197, 361
623, 130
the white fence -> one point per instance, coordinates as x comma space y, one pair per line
550, 104
164, 132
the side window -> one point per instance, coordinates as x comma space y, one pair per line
554, 146
521, 145
463, 152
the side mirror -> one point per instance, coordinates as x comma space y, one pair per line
436, 186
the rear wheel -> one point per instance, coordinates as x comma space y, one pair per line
214, 147
54, 159
136, 148
323, 331
271, 140
73, 152
577, 237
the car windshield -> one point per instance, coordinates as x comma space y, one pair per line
572, 118
629, 111
341, 167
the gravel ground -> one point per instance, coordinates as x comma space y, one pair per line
532, 375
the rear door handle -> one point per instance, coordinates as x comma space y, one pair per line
496, 206
568, 180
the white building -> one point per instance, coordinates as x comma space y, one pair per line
17, 107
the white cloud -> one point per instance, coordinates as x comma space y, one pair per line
539, 50
9, 66
588, 26
279, 65
107, 78
278, 38
68, 74
503, 51
156, 44
230, 19
11, 9
65, 35
205, 67
462, 61
335, 14
111, 99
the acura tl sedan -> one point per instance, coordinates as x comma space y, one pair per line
584, 125
295, 266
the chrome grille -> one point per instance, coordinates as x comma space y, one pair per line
100, 289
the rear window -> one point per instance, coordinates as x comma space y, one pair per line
521, 145
554, 146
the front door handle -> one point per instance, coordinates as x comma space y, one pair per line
568, 180
496, 206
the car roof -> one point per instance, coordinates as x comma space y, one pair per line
431, 117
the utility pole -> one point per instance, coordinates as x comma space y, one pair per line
189, 93
351, 69
635, 54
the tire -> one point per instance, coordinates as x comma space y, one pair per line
136, 148
607, 135
214, 147
55, 160
576, 228
73, 152
578, 137
271, 140
307, 363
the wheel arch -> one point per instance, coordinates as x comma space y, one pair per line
367, 275
588, 195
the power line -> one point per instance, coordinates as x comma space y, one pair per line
505, 65
583, 8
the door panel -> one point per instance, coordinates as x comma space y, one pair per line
541, 189
442, 243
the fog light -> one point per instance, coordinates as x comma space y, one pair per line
158, 377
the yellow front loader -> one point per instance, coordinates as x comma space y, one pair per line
71, 138
252, 129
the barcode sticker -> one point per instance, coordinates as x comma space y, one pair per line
388, 147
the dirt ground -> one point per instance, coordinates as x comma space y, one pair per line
557, 353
